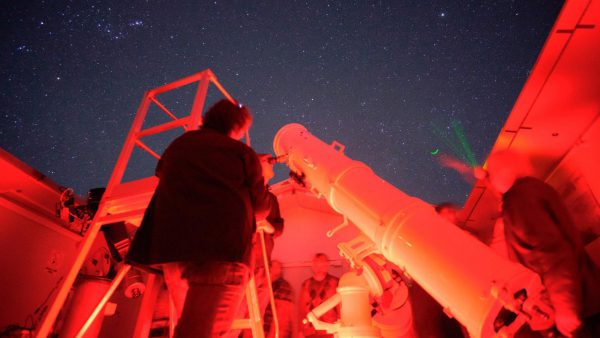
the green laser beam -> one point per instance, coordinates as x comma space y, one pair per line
456, 141
460, 134
454, 147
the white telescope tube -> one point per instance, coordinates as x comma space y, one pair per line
461, 273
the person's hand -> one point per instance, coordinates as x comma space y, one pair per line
265, 227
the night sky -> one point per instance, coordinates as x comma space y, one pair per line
393, 81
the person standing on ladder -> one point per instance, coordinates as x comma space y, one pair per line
199, 224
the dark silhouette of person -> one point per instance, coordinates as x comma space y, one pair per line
540, 234
429, 318
200, 221
271, 228
284, 300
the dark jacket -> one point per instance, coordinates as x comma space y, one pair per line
540, 235
203, 207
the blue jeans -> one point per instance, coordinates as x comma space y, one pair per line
215, 291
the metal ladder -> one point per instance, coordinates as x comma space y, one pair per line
128, 201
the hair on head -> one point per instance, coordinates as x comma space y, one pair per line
226, 116
321, 255
445, 205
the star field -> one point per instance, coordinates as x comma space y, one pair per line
388, 79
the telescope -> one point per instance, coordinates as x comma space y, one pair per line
489, 295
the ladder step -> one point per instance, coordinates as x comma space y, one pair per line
238, 324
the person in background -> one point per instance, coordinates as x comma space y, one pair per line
448, 211
271, 228
315, 290
429, 319
540, 234
284, 303
199, 224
